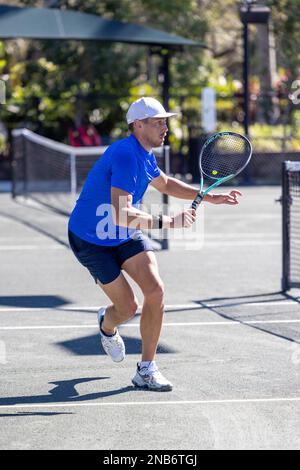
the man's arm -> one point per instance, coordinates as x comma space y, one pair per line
176, 188
126, 215
173, 187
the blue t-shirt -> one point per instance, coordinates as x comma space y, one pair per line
125, 165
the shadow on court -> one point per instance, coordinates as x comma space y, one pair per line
248, 299
64, 391
89, 346
26, 415
226, 303
33, 226
33, 301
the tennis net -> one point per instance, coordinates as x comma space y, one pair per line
291, 224
52, 173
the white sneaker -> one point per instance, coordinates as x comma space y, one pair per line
150, 378
112, 345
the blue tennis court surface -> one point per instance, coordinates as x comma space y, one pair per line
230, 342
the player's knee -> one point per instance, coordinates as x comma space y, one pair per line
155, 292
127, 309
132, 308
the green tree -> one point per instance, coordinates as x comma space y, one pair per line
49, 83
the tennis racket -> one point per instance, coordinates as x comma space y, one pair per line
223, 156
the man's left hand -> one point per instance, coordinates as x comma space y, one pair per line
229, 198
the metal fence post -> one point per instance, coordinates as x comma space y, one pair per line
285, 230
166, 154
73, 173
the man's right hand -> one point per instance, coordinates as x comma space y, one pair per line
184, 219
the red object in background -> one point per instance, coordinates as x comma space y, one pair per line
84, 136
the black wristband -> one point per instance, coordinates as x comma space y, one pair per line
160, 221
157, 221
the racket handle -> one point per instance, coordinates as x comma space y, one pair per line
198, 199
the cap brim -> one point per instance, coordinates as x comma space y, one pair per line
164, 115
160, 115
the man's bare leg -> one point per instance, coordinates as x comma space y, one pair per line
144, 271
124, 304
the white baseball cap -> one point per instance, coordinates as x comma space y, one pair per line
144, 108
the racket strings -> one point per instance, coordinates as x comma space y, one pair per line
225, 155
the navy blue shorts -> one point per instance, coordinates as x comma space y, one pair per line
105, 262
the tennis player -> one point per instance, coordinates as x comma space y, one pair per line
105, 234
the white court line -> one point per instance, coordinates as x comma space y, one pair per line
153, 403
95, 308
205, 244
16, 239
169, 307
239, 235
193, 306
31, 247
239, 243
236, 303
137, 325
237, 216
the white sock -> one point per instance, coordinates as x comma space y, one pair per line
147, 364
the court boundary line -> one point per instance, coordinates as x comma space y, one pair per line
166, 324
168, 307
154, 403
32, 247
181, 243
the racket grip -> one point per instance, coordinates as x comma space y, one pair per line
198, 199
